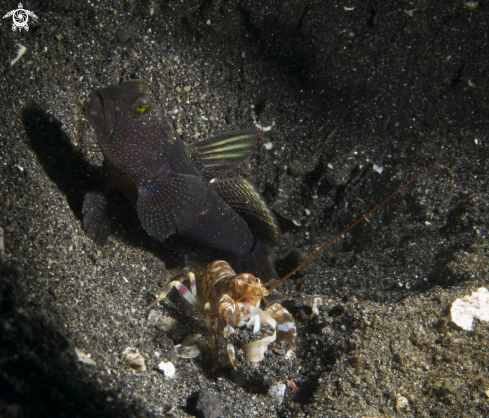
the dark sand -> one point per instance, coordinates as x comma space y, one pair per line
401, 85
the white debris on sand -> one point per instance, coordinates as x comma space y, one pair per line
164, 323
20, 51
84, 358
168, 369
401, 403
261, 127
378, 168
463, 311
189, 349
315, 304
133, 359
277, 392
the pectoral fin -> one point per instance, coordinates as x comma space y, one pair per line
243, 197
171, 203
96, 219
216, 155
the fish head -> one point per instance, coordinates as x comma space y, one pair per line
116, 103
129, 127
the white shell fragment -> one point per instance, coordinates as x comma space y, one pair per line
133, 359
463, 311
84, 358
168, 369
315, 304
379, 169
256, 350
20, 51
260, 127
277, 392
188, 348
184, 351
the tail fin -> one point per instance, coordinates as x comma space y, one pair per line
259, 262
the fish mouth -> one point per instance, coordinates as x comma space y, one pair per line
101, 114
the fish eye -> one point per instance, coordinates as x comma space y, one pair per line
142, 109
142, 106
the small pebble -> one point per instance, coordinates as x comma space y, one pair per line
162, 322
277, 392
401, 403
205, 403
125, 33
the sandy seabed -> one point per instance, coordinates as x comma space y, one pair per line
353, 99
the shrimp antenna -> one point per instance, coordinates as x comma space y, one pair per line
283, 279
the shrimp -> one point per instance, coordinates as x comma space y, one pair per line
232, 302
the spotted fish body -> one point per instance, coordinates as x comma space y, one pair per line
174, 187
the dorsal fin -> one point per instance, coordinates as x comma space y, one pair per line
214, 156
243, 197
